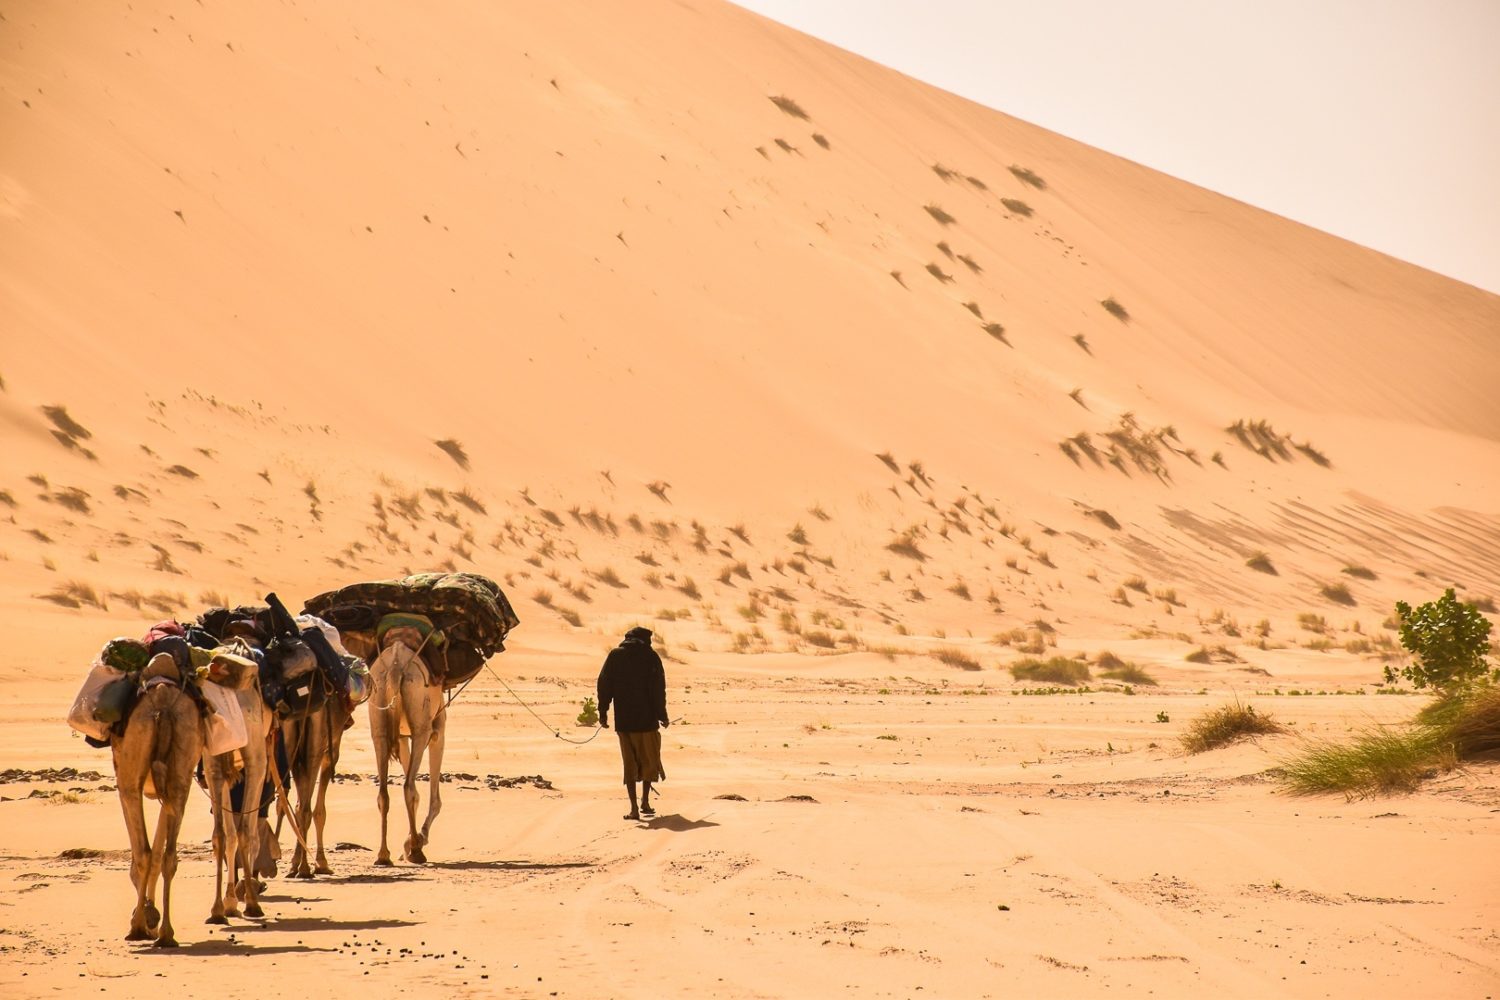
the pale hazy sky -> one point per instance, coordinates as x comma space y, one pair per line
1376, 120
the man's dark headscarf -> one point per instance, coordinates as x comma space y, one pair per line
638, 634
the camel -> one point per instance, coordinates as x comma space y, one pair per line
313, 744
237, 832
404, 696
161, 743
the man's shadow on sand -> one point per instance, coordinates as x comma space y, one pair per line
676, 823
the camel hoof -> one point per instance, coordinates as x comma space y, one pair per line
305, 874
323, 870
384, 863
254, 910
153, 917
217, 920
138, 935
166, 942
416, 857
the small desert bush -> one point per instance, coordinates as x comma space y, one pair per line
953, 657
789, 106
819, 638
1338, 593
937, 212
821, 140
1127, 672
1016, 205
455, 451
1261, 563
1136, 583
1057, 670
75, 594
1028, 177
1115, 309
1312, 622
995, 330
939, 273
1225, 725
570, 616
1359, 572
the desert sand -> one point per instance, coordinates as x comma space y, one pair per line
854, 391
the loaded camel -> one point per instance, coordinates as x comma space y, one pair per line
154, 757
236, 836
408, 717
313, 741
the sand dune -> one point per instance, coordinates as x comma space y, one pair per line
664, 313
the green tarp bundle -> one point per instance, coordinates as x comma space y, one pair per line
469, 607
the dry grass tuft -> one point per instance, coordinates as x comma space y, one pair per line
936, 211
1017, 206
821, 140
74, 594
1057, 670
789, 106
1338, 593
1225, 725
953, 657
1261, 563
65, 424
455, 451
1028, 177
1115, 309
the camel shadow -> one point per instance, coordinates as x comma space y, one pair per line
239, 948
510, 866
394, 875
676, 823
326, 924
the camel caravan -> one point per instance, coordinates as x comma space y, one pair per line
248, 702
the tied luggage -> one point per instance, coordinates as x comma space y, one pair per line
82, 716
226, 723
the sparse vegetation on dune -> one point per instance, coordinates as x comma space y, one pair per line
1017, 206
1115, 309
1225, 725
821, 140
939, 273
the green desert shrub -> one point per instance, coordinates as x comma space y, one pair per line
1449, 639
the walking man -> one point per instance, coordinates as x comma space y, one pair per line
634, 682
